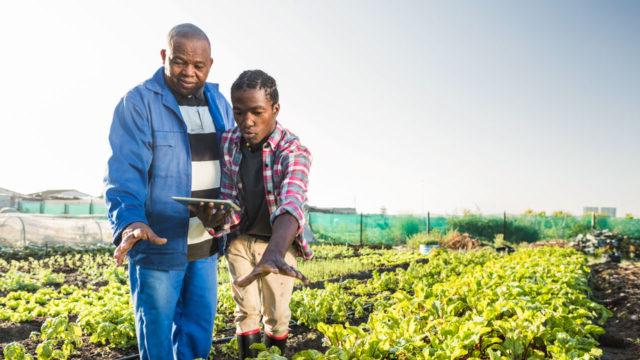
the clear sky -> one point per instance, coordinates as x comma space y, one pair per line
413, 105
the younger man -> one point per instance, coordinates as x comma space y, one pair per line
265, 172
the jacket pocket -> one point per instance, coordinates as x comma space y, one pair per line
166, 156
165, 138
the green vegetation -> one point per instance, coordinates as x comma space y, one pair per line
487, 227
481, 305
532, 304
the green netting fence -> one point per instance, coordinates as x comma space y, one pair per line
377, 229
370, 229
58, 207
382, 229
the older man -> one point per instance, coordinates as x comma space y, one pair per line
165, 140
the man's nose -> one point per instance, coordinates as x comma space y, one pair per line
189, 70
249, 121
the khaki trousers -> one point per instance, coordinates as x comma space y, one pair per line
267, 298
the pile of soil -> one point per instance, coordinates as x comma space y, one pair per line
617, 286
455, 240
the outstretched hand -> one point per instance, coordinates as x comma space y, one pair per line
271, 263
131, 235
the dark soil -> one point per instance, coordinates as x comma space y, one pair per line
300, 338
309, 339
10, 332
617, 286
96, 351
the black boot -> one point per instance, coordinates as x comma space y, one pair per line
281, 344
244, 343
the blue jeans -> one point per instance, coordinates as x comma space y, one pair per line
174, 310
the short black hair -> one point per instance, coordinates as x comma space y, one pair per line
257, 79
186, 31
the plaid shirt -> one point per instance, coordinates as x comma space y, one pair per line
285, 169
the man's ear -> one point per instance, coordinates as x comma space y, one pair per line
163, 55
276, 109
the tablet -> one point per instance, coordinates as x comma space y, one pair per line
197, 201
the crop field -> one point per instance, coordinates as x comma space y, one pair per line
363, 303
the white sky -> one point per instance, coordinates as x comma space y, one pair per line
413, 105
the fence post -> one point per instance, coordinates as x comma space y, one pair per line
66, 208
504, 225
361, 238
593, 220
428, 222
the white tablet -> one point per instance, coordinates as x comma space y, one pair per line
197, 201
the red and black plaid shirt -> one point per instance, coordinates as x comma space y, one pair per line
285, 169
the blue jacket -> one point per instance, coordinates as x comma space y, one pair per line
150, 163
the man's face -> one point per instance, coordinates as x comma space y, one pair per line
254, 113
187, 65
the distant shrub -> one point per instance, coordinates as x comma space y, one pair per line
434, 237
487, 227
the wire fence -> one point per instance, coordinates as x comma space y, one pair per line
389, 230
67, 224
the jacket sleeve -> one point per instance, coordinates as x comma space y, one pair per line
227, 110
127, 177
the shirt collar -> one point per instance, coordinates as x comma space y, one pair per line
198, 95
275, 136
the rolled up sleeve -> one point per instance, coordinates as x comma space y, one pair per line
293, 191
228, 190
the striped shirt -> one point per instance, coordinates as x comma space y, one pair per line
285, 170
205, 168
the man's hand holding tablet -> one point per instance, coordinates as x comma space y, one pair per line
210, 211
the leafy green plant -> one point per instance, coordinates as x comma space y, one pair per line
16, 351
61, 339
272, 353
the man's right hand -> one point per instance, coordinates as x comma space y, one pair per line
134, 232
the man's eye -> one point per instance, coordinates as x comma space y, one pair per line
199, 67
257, 113
177, 61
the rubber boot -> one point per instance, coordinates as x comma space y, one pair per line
280, 343
244, 344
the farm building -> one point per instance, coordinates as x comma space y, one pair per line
61, 202
8, 198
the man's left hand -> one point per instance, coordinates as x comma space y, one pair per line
209, 214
